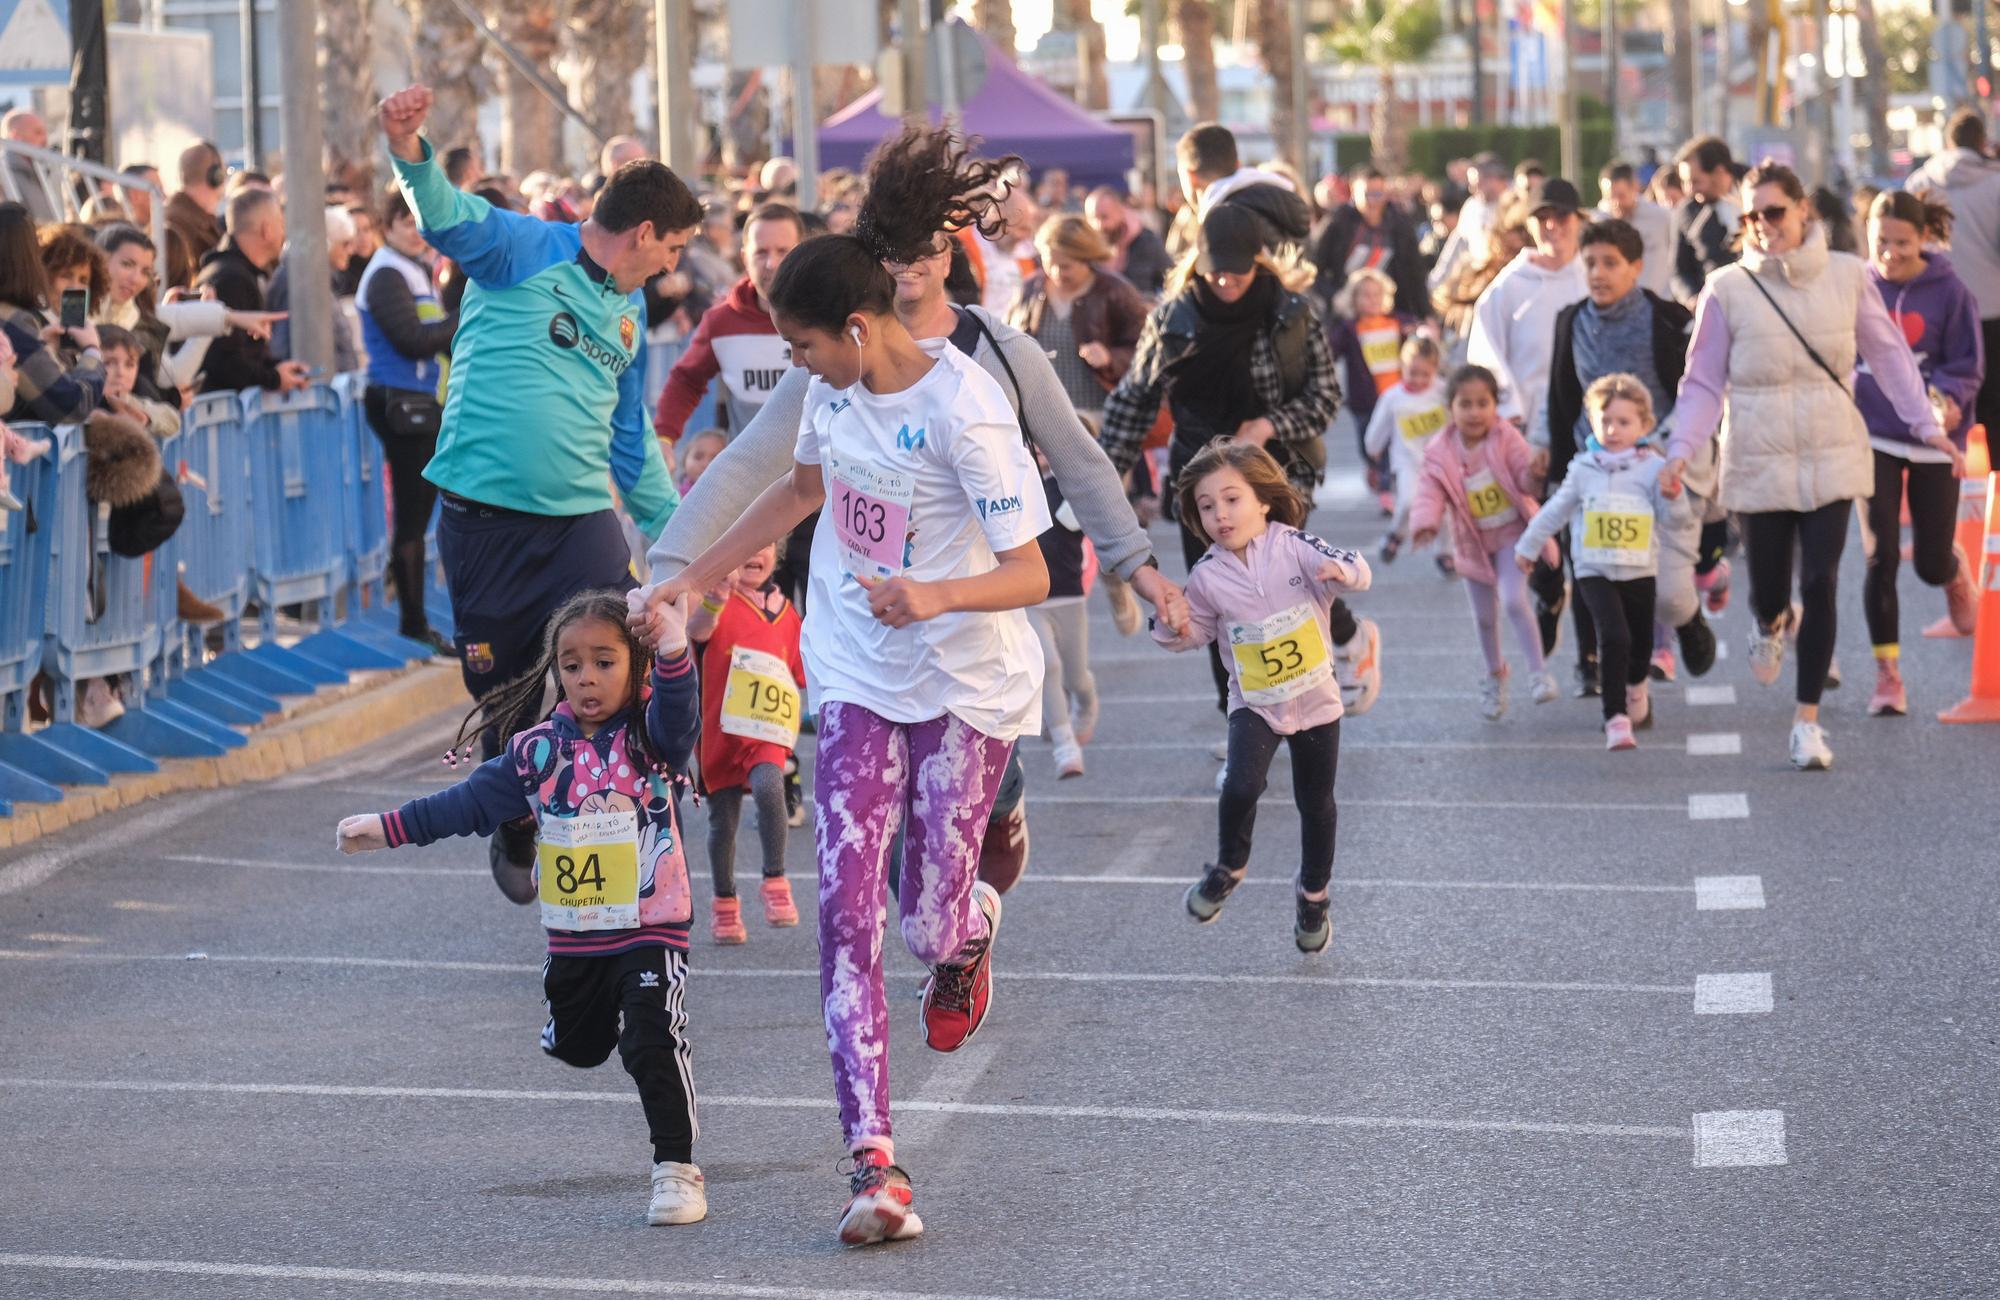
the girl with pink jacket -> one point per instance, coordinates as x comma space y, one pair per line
1478, 471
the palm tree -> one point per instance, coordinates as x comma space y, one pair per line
530, 126
1196, 21
1093, 87
448, 56
1273, 34
995, 20
347, 91
1386, 34
1681, 57
607, 45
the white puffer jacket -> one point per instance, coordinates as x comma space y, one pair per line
1792, 438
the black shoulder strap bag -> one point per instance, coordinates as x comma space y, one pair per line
965, 337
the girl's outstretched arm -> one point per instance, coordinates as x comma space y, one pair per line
478, 805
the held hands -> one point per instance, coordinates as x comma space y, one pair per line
899, 602
1670, 477
1524, 564
1169, 602
1949, 448
361, 834
658, 615
402, 115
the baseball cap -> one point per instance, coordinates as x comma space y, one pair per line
1231, 238
1488, 163
1556, 193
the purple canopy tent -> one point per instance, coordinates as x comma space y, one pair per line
1012, 114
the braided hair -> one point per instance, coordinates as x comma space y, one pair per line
516, 706
924, 182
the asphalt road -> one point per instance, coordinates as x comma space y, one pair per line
1662, 1023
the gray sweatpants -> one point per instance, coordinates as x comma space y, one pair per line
1065, 633
1676, 600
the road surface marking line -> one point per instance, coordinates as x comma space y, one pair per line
419, 1283
1718, 807
1728, 893
1714, 744
623, 1097
1173, 979
1725, 1139
1699, 695
1742, 994
1466, 805
343, 868
1283, 755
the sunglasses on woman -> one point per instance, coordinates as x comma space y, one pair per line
1771, 216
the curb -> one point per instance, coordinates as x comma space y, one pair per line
322, 726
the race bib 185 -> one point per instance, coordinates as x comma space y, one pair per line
1617, 530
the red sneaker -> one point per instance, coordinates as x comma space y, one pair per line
779, 909
880, 1207
958, 995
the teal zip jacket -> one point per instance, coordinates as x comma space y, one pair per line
546, 388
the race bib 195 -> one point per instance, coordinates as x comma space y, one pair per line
760, 701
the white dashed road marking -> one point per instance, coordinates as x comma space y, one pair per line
1714, 744
1733, 1138
1718, 807
1728, 893
1732, 994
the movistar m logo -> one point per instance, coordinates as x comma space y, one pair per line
907, 441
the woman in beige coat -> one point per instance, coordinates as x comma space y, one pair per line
1771, 364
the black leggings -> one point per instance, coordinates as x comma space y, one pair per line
1622, 614
412, 497
1315, 761
1818, 537
766, 788
1933, 521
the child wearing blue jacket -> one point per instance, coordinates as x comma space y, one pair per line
597, 775
1939, 317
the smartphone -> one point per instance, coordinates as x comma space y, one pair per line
75, 308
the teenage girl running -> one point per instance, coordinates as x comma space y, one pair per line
924, 668
752, 684
1477, 476
1264, 589
597, 776
1616, 512
1920, 289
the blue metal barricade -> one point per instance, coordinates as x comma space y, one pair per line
27, 764
165, 690
365, 525
297, 533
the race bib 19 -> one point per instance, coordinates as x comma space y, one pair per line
1279, 658
1490, 505
760, 701
1617, 530
589, 871
871, 517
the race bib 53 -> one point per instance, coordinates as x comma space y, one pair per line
1279, 658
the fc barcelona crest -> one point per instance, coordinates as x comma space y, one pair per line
627, 331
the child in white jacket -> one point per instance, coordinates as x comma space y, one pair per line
1406, 418
1616, 511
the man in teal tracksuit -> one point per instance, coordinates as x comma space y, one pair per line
544, 409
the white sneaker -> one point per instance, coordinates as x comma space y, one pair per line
1809, 748
1357, 666
1219, 751
1544, 688
1069, 758
1083, 718
1767, 650
1493, 696
680, 1194
100, 705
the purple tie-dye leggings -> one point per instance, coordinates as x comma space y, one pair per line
871, 773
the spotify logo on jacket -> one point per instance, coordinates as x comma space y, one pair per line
563, 331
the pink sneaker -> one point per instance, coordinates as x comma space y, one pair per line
725, 922
1890, 700
1618, 733
1714, 587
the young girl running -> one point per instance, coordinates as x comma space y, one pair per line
1069, 692
752, 681
1616, 512
1920, 289
1263, 588
1405, 423
1365, 332
924, 668
597, 774
1476, 476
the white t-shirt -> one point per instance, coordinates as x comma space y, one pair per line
948, 449
1403, 425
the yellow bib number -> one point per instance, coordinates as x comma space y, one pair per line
760, 700
1418, 425
589, 871
1489, 503
1281, 657
1618, 530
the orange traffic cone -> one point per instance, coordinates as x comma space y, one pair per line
1971, 534
1983, 703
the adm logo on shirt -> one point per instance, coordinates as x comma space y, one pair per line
997, 506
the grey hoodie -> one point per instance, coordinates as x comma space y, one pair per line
1970, 182
1611, 479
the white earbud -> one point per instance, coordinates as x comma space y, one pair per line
854, 332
